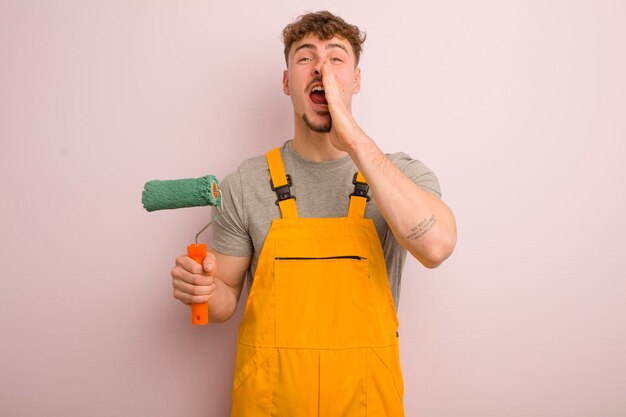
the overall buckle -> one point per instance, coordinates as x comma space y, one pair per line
360, 188
283, 192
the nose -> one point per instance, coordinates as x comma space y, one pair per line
316, 71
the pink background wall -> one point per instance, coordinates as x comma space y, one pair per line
517, 105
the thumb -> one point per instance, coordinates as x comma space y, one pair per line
209, 264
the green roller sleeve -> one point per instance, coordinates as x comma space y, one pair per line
173, 194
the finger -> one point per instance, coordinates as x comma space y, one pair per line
202, 279
190, 293
181, 296
188, 264
190, 299
331, 88
193, 290
209, 264
328, 80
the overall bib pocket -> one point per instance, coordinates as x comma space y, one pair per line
322, 296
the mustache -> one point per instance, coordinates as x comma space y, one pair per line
313, 81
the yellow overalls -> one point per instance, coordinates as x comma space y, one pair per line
319, 332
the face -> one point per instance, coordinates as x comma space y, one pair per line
303, 77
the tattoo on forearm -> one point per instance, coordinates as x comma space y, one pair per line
422, 228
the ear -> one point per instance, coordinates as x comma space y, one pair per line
286, 82
357, 81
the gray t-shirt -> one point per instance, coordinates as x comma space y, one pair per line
322, 189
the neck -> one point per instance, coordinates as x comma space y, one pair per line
313, 146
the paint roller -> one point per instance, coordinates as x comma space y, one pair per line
187, 192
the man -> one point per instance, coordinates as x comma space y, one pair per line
319, 333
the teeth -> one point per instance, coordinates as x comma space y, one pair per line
318, 88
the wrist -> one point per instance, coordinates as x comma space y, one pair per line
362, 149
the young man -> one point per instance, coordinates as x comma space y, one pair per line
319, 333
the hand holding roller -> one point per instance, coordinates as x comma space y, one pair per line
189, 192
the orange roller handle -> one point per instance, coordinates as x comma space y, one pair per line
200, 311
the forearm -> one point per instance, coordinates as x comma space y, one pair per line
421, 222
222, 302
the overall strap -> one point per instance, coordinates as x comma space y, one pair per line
281, 183
359, 197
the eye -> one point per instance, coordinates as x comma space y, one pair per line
336, 60
304, 59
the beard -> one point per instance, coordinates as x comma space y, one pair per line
323, 127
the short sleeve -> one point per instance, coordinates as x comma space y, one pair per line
230, 236
419, 173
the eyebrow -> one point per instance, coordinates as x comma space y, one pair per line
313, 47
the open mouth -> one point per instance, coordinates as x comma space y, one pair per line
317, 95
